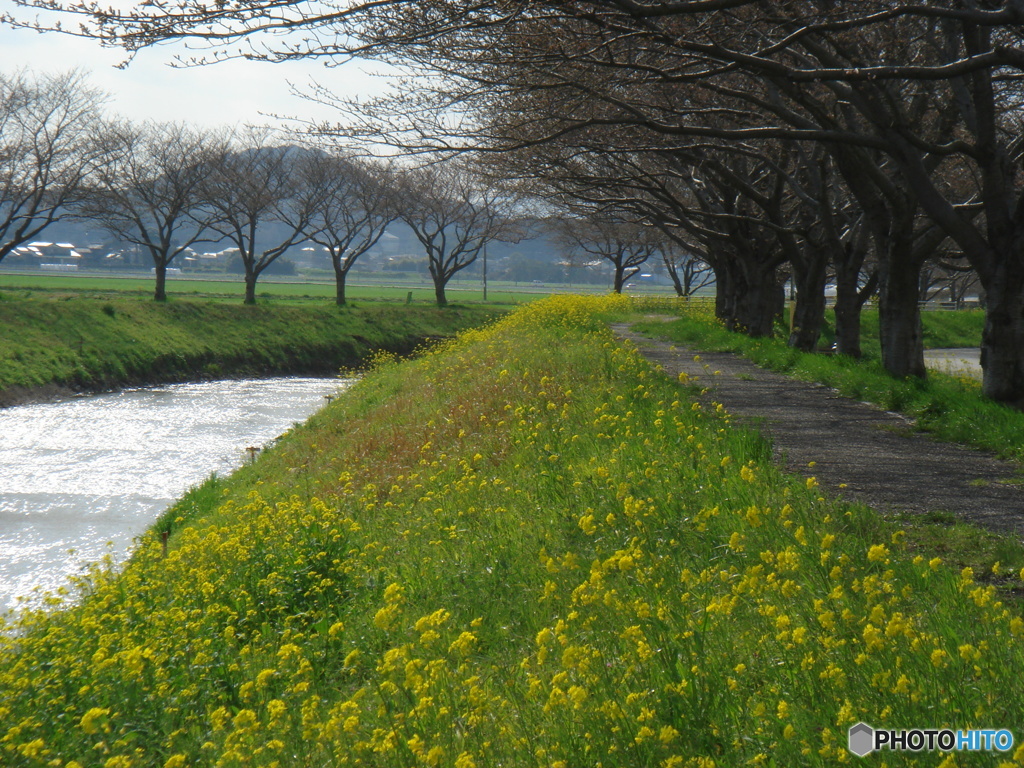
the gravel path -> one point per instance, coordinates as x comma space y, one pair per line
878, 455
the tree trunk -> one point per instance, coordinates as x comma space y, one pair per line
850, 299
757, 301
809, 311
750, 297
620, 278
673, 272
724, 293
848, 306
250, 287
439, 285
899, 317
1002, 341
160, 292
339, 282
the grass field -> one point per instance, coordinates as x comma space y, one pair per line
526, 548
232, 287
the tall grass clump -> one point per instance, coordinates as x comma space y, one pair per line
525, 548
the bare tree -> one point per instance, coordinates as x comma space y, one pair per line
948, 277
150, 193
453, 216
598, 235
259, 202
352, 207
688, 270
49, 145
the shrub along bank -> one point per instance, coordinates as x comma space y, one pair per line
524, 548
83, 344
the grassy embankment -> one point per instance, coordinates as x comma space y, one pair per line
52, 342
524, 548
941, 329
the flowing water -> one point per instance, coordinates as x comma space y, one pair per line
956, 362
83, 477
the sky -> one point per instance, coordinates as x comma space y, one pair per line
227, 94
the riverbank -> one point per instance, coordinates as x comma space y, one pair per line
55, 345
82, 478
528, 545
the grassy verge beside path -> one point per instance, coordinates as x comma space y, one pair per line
51, 344
525, 548
950, 407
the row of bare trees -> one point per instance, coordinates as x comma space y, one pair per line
778, 136
774, 137
166, 187
777, 139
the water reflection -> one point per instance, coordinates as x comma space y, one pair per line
88, 475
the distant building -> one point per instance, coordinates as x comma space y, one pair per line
54, 257
389, 244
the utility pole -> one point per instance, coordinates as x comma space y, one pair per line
485, 272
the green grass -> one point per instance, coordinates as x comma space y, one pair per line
945, 330
231, 288
992, 556
941, 329
525, 548
86, 342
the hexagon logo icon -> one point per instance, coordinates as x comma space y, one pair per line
861, 739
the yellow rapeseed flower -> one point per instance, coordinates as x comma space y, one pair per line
264, 677
587, 524
969, 653
667, 734
463, 644
878, 553
95, 719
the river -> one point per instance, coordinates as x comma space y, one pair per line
83, 477
956, 362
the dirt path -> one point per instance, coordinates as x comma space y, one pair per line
879, 457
